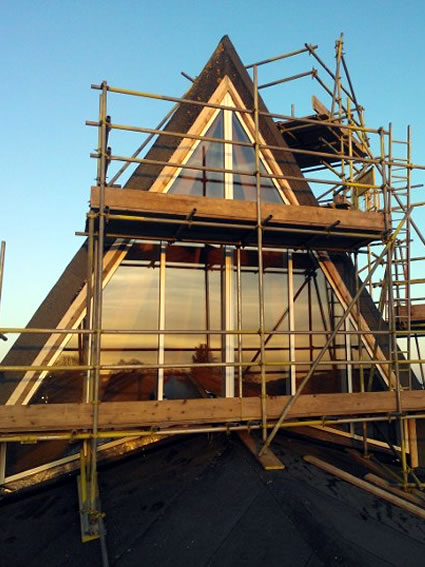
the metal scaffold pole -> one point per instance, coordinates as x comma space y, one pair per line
260, 258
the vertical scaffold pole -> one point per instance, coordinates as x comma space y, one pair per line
97, 307
393, 347
2, 445
407, 271
239, 318
260, 257
85, 451
92, 522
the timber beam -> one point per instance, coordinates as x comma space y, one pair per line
148, 214
119, 415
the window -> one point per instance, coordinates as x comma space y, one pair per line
225, 125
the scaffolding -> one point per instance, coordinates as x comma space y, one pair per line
350, 177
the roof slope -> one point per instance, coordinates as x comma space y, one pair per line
206, 502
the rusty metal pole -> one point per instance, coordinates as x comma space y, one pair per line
94, 513
260, 258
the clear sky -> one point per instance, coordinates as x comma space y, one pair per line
53, 50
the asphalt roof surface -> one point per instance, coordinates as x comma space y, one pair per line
205, 501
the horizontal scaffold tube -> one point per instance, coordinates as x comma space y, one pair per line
190, 429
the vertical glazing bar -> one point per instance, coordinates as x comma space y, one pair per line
161, 316
292, 368
229, 322
348, 354
239, 317
310, 319
227, 280
207, 298
369, 264
260, 258
360, 345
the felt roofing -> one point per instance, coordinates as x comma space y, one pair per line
203, 501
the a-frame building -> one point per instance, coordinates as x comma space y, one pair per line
222, 283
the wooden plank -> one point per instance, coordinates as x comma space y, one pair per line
268, 460
417, 313
382, 483
413, 443
374, 490
370, 464
129, 200
318, 107
56, 417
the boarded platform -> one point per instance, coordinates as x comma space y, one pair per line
417, 318
201, 219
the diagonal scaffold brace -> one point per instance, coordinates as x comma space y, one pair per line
313, 367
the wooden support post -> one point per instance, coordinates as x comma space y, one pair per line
413, 443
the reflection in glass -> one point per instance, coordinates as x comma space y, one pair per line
196, 280
193, 302
275, 318
205, 154
317, 309
131, 301
244, 186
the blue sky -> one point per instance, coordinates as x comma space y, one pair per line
53, 50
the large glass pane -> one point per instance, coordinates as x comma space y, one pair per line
130, 302
275, 278
193, 303
317, 310
244, 186
205, 154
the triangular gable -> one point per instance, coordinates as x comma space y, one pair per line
64, 306
238, 182
224, 62
223, 69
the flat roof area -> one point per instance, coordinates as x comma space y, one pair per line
202, 501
